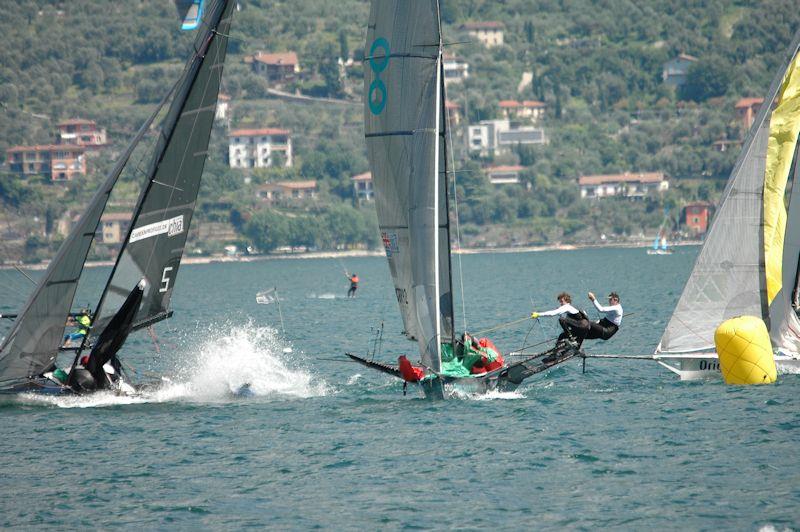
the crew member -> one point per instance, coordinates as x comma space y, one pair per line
574, 322
83, 321
353, 284
609, 324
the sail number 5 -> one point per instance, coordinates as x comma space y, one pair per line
165, 280
378, 63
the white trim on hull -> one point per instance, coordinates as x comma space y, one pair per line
697, 366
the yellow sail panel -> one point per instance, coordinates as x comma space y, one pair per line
783, 130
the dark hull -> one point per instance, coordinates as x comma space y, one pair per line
504, 379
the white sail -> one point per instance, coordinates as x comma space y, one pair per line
403, 130
728, 278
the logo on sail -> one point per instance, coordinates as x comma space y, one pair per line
378, 61
172, 227
390, 243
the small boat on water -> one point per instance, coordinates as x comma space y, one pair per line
139, 288
661, 249
409, 149
750, 261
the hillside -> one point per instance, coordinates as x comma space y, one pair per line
596, 67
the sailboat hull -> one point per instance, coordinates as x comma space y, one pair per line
700, 366
507, 378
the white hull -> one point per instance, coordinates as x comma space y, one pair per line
696, 366
659, 252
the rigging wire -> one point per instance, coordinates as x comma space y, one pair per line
458, 226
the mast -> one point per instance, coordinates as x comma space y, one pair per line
437, 303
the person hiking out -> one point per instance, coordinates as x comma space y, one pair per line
353, 284
574, 322
608, 325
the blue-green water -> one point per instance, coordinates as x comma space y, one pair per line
325, 443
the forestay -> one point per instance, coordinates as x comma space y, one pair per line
729, 277
402, 115
157, 235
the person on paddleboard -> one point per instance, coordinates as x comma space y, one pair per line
574, 322
609, 324
353, 284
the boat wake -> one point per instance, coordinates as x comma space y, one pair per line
326, 295
248, 362
494, 395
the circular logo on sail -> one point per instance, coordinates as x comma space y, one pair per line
378, 61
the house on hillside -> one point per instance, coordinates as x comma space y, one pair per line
362, 187
489, 33
114, 227
675, 70
455, 70
58, 162
697, 217
746, 111
223, 107
287, 191
259, 148
276, 68
628, 185
504, 175
497, 137
531, 110
454, 112
81, 132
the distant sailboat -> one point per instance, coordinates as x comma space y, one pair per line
750, 261
140, 286
408, 148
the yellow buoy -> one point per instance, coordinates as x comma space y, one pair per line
745, 352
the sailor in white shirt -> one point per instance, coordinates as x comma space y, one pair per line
606, 327
574, 322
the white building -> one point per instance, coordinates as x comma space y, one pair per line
497, 137
675, 70
489, 33
531, 110
223, 106
627, 185
362, 186
259, 148
455, 70
504, 175
287, 191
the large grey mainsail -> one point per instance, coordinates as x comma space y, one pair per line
402, 118
728, 278
33, 343
160, 225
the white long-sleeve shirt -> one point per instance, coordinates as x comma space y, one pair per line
560, 311
613, 312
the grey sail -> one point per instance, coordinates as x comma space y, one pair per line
154, 245
728, 278
33, 343
402, 87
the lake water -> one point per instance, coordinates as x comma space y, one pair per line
322, 442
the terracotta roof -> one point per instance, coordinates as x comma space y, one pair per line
257, 132
223, 97
280, 58
627, 177
506, 168
686, 57
116, 217
47, 147
748, 102
487, 25
698, 204
293, 185
366, 176
451, 105
76, 122
512, 104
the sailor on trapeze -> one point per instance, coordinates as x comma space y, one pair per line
574, 322
607, 326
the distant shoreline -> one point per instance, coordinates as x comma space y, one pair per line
368, 253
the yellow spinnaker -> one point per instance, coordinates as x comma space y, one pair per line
783, 130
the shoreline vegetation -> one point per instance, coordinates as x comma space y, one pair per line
368, 253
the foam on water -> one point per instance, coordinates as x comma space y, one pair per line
248, 358
247, 362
